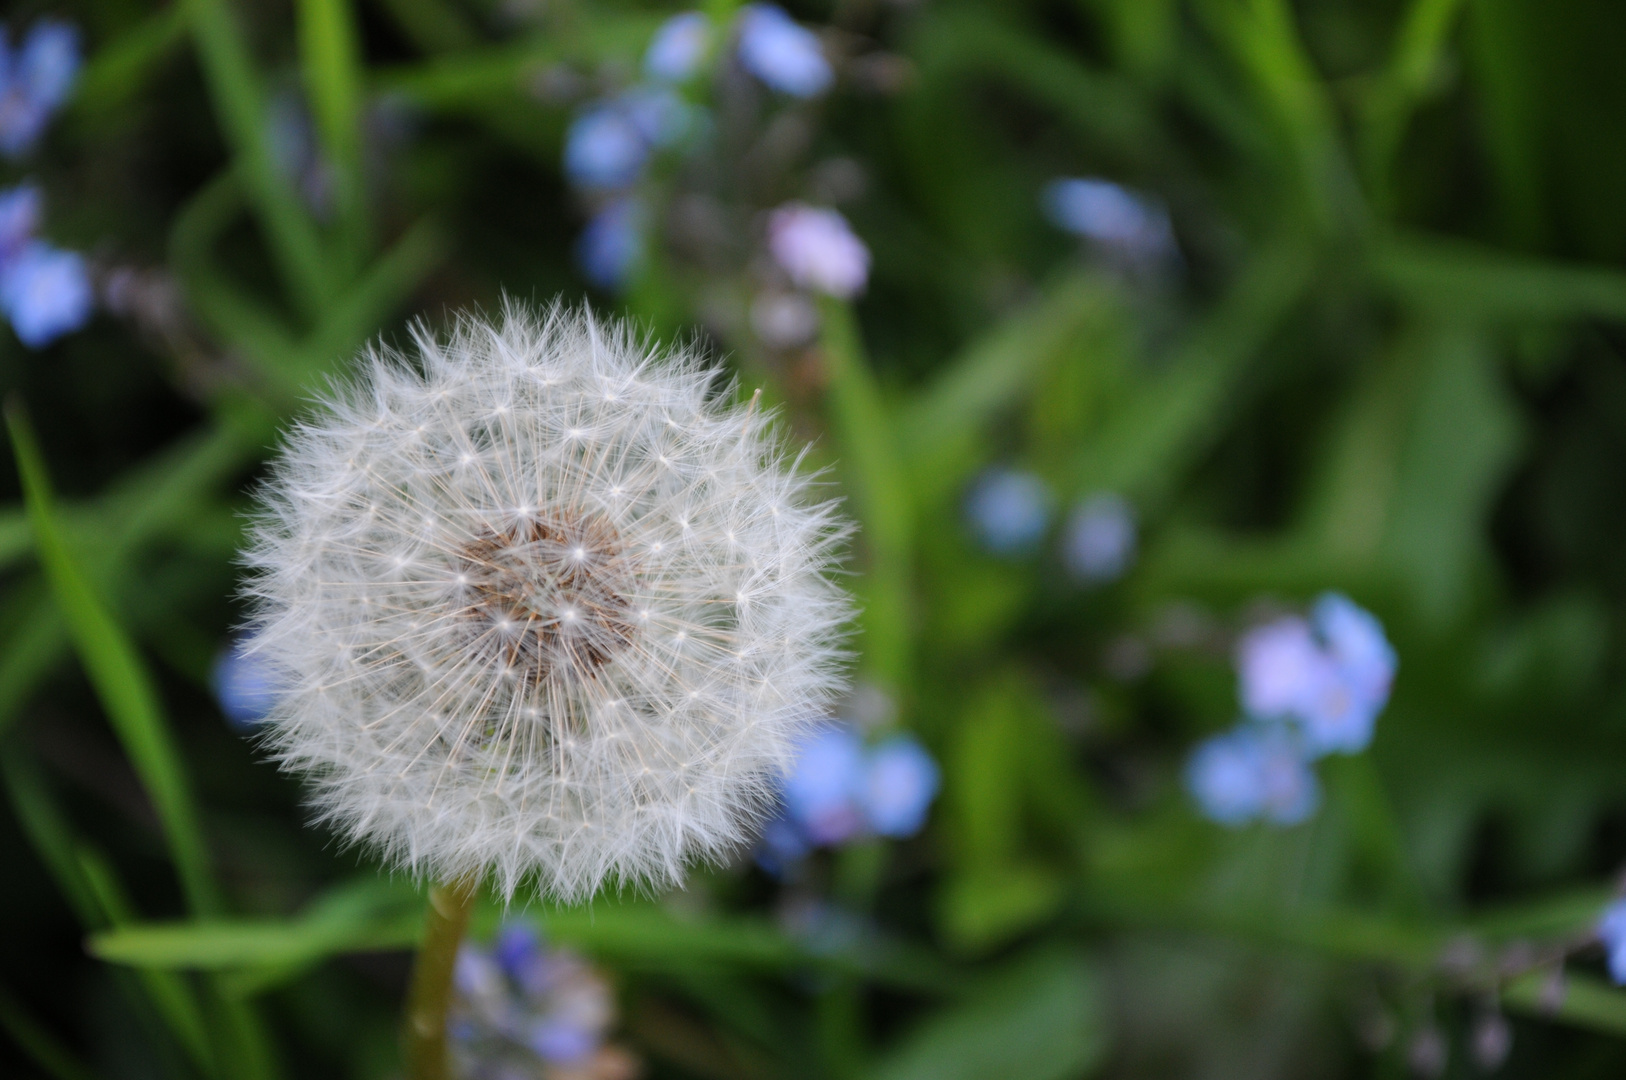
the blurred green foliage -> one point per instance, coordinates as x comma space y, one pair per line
1391, 363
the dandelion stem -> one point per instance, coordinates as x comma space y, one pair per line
431, 990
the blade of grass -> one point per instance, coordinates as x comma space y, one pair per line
116, 673
240, 106
1416, 57
940, 427
1473, 281
863, 436
92, 890
117, 69
331, 57
38, 1043
172, 997
1142, 450
1581, 1001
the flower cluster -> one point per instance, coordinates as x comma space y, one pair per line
520, 1010
612, 140
35, 79
45, 292
1009, 512
840, 789
1308, 687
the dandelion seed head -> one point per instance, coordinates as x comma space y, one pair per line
599, 686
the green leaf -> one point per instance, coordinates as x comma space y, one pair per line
44, 1048
866, 447
331, 56
1040, 1019
942, 427
1470, 281
1581, 1001
240, 105
1143, 450
117, 674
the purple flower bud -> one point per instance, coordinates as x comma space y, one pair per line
244, 686
678, 47
1008, 510
785, 55
612, 246
1099, 543
45, 293
818, 250
900, 782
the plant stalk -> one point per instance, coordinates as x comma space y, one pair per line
431, 991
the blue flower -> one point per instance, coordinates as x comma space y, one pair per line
20, 212
1008, 510
605, 149
900, 782
782, 53
520, 1007
45, 292
34, 82
1330, 674
1099, 543
838, 790
1253, 772
1612, 932
822, 791
612, 246
243, 685
1113, 216
678, 47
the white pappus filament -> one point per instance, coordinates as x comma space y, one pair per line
543, 605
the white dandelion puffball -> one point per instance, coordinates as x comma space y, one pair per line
542, 605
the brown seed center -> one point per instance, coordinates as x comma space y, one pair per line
549, 596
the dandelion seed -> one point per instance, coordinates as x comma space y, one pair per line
538, 696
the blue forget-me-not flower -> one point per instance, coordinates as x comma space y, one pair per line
244, 685
1250, 773
35, 79
45, 292
1612, 933
839, 789
521, 1010
678, 47
612, 245
1131, 225
1099, 541
1329, 674
782, 53
1008, 510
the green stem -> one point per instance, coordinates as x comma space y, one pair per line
431, 990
